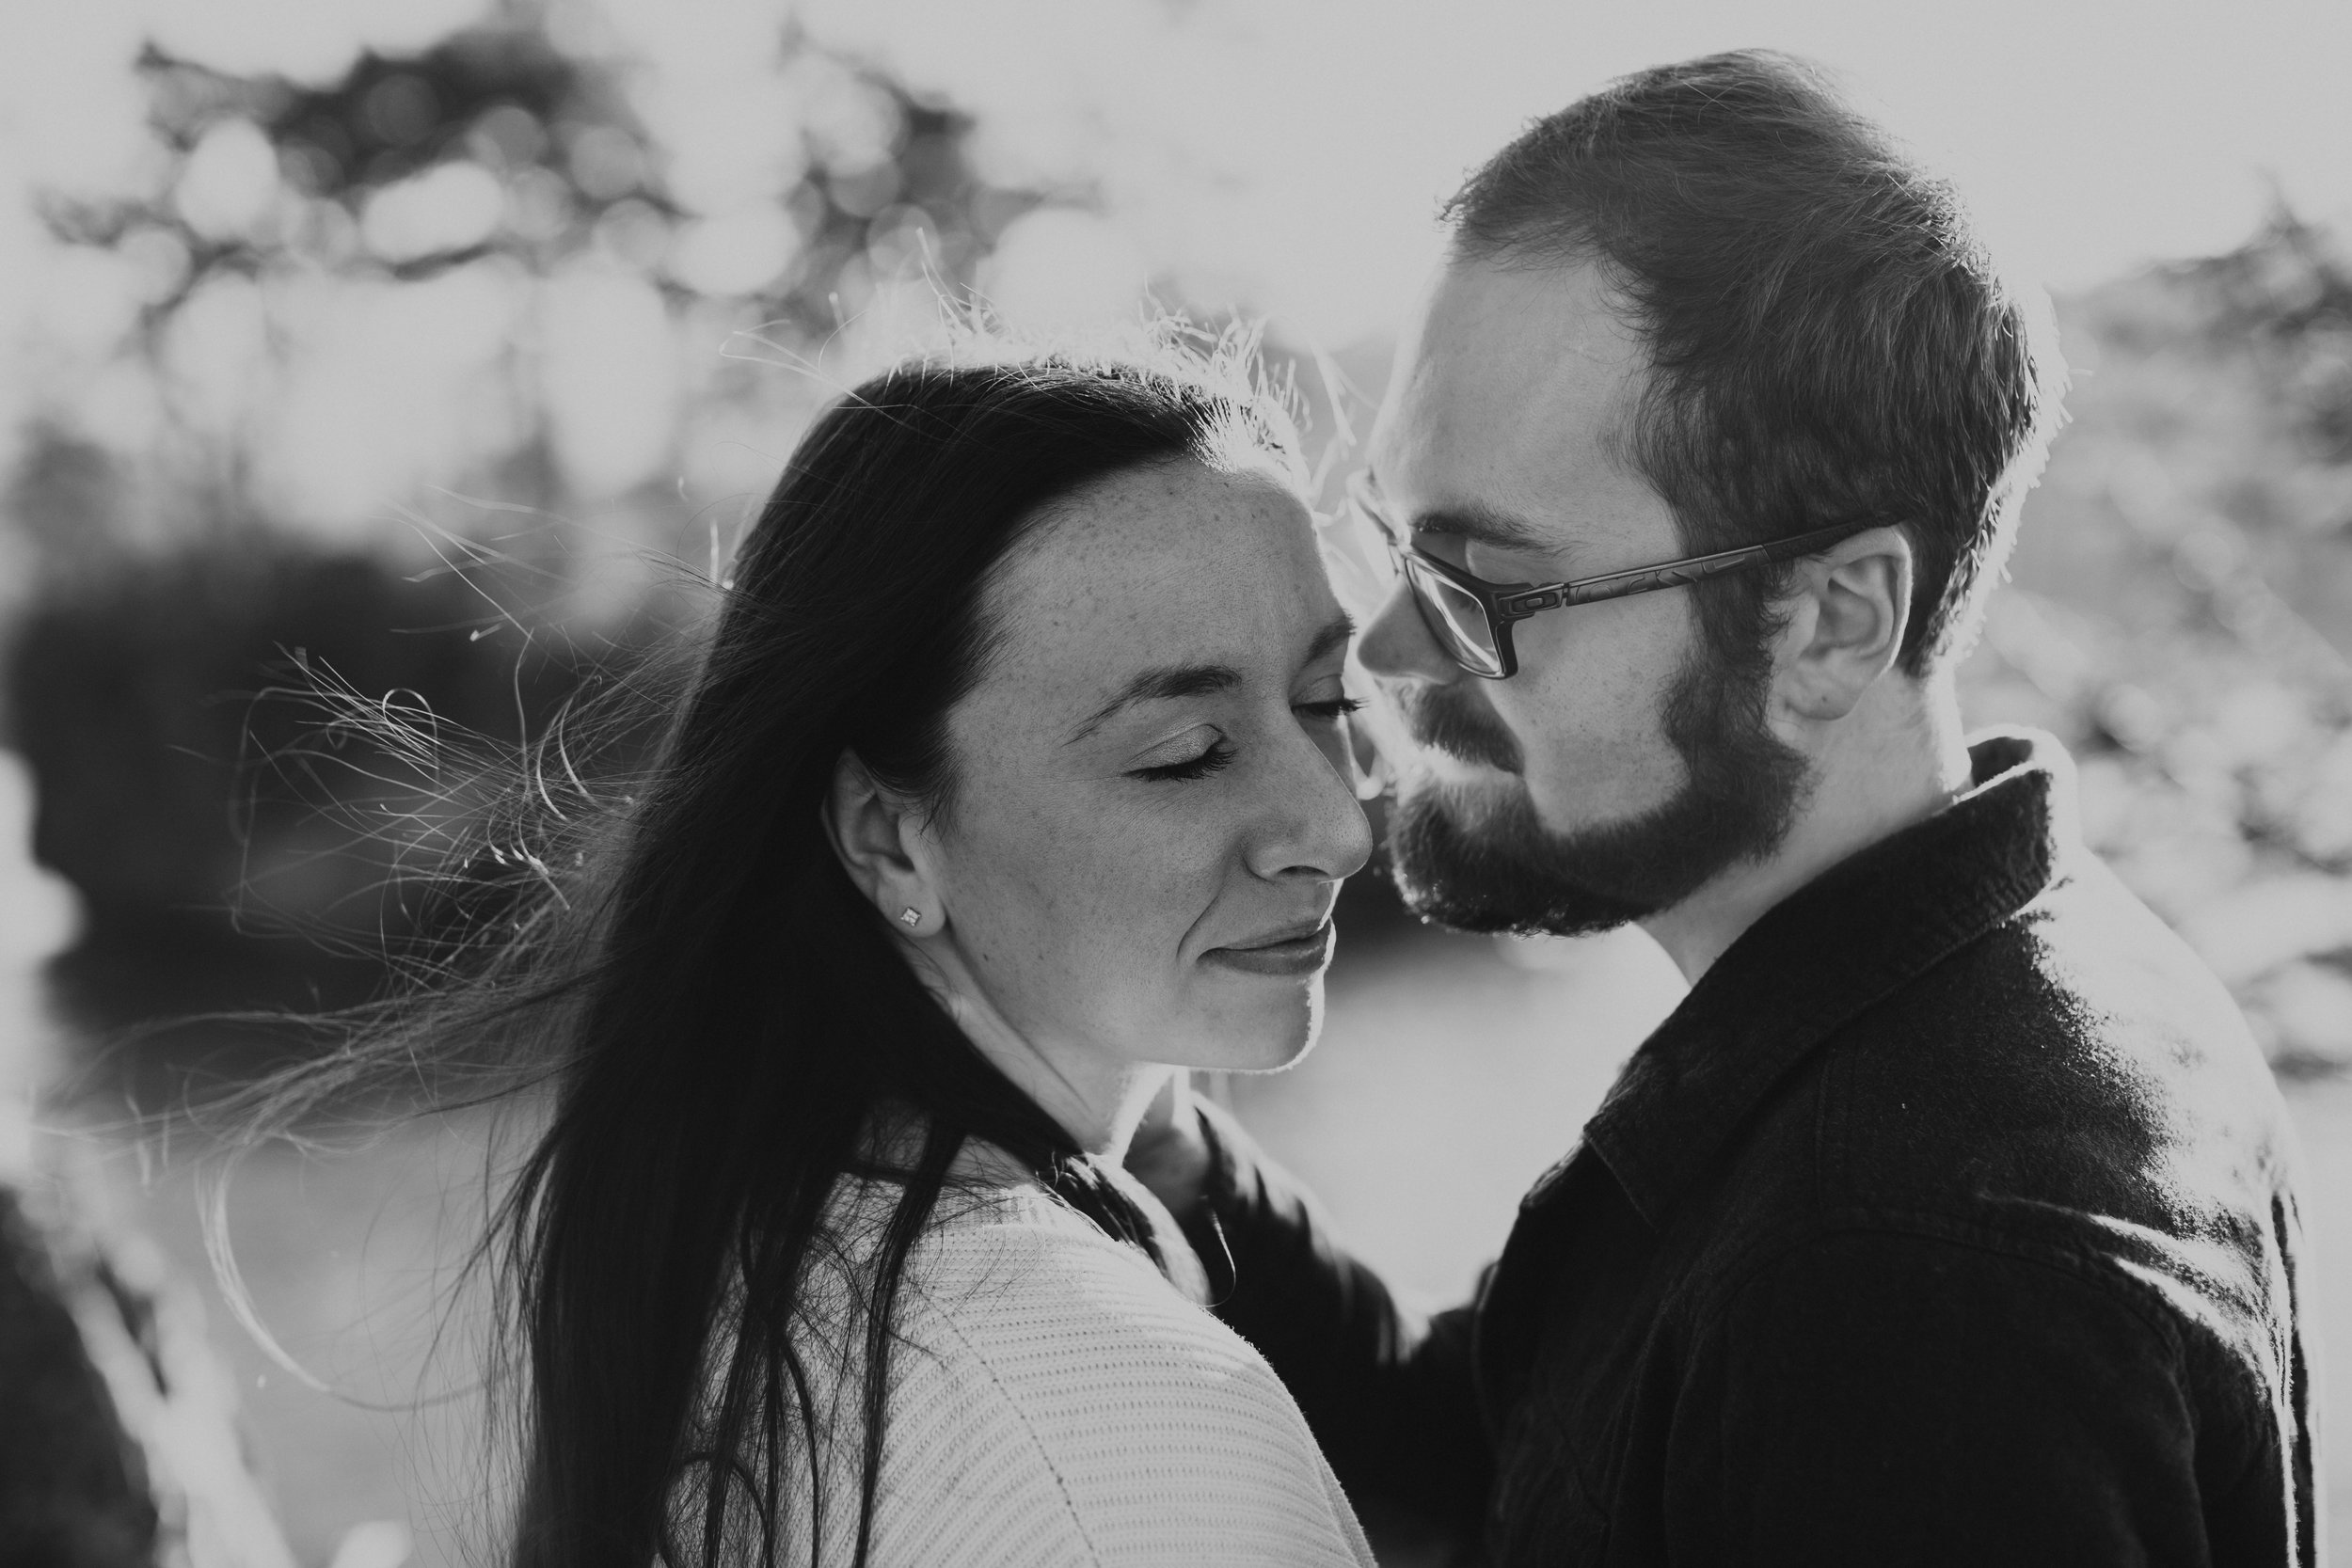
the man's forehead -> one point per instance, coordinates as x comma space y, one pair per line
1513, 386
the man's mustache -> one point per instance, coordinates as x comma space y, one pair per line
1457, 721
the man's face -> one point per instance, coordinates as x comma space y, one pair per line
1622, 768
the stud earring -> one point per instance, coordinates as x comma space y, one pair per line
910, 917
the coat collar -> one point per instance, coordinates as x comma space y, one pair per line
1854, 935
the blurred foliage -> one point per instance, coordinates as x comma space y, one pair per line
167, 598
231, 844
2183, 595
563, 166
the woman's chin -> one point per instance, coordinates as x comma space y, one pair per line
1266, 1036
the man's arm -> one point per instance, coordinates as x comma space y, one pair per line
1882, 1397
1388, 1391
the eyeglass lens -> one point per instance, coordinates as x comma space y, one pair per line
1454, 617
1457, 618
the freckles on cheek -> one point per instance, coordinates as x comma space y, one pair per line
1116, 886
1110, 880
1060, 894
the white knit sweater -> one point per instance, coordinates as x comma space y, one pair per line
1057, 1402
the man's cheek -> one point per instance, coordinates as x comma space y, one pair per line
1583, 779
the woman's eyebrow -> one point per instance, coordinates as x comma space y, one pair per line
1159, 685
1199, 680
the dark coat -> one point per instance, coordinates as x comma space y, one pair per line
1948, 1219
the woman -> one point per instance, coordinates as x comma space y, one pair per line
1013, 778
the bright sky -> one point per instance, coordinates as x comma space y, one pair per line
1283, 156
1295, 147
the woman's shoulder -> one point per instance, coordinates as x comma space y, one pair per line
1166, 1434
1014, 1264
1092, 1342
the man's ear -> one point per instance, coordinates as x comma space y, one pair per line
875, 833
1847, 614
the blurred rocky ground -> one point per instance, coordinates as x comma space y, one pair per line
2181, 608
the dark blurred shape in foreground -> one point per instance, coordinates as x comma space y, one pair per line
118, 1441
73, 1485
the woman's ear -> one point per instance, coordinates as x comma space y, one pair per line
1846, 618
875, 831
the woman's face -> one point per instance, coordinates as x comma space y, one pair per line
1152, 810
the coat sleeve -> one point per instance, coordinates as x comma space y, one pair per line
1874, 1396
1388, 1391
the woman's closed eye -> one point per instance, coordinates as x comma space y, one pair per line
1211, 753
1214, 756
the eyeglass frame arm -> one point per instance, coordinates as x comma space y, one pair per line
1517, 601
1506, 604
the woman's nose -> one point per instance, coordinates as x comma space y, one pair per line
1313, 827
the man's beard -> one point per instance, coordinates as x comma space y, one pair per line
1505, 871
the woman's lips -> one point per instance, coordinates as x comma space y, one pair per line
1293, 955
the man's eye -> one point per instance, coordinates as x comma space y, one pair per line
1332, 711
1449, 547
1216, 758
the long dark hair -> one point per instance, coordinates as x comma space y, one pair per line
722, 1019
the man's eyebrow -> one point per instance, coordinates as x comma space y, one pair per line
1484, 525
1332, 638
1478, 522
1174, 680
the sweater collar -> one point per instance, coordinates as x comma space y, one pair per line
1855, 934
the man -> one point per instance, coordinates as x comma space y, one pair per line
1948, 1219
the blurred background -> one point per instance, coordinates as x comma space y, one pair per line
431, 347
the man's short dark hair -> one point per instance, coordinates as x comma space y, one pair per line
1827, 337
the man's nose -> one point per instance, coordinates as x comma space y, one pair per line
1397, 643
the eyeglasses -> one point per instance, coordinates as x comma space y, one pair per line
1471, 618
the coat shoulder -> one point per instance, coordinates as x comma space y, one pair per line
2075, 1083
